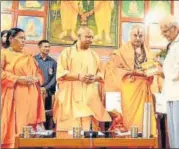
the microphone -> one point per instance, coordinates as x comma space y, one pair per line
91, 123
91, 133
91, 127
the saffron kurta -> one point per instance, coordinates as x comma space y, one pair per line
76, 99
135, 89
20, 104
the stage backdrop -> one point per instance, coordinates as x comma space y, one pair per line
58, 21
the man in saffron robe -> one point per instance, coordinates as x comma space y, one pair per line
123, 74
21, 101
79, 76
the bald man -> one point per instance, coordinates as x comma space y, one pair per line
79, 76
123, 74
170, 30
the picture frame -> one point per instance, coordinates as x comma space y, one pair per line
33, 27
6, 21
63, 30
37, 5
6, 5
133, 9
160, 9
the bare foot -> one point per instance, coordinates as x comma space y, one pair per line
98, 37
108, 38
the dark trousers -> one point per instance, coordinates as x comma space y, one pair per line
49, 124
162, 130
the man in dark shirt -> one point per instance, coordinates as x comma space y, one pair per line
48, 66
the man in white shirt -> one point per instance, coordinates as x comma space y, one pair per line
170, 30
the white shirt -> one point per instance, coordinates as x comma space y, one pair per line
171, 72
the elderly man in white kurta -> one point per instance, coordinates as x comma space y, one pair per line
170, 30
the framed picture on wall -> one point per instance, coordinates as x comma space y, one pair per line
133, 9
6, 5
6, 21
65, 17
159, 9
155, 37
33, 27
31, 5
126, 28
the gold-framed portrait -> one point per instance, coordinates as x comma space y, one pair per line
33, 27
65, 17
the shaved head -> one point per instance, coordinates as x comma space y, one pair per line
85, 37
84, 29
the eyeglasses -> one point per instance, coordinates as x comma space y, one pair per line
165, 31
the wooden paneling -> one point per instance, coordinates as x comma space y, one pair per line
87, 143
